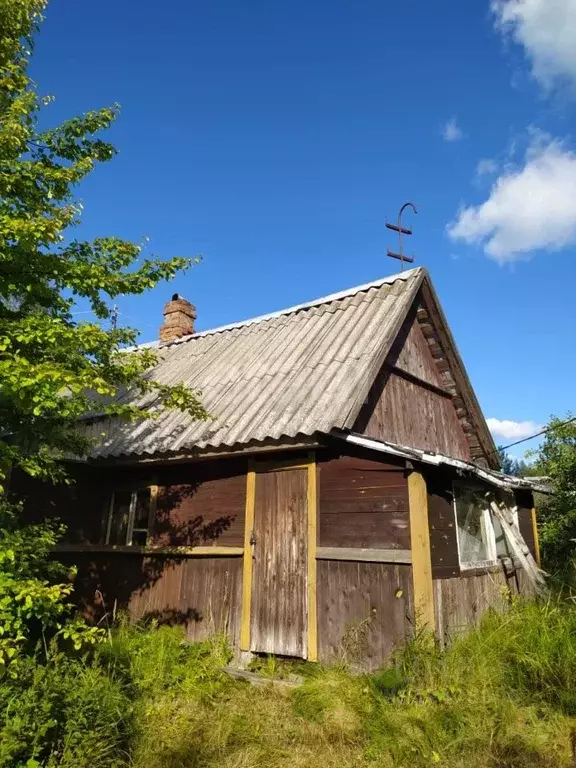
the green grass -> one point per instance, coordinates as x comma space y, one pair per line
502, 697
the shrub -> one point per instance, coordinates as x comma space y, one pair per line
63, 713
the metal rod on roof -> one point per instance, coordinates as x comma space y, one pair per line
401, 231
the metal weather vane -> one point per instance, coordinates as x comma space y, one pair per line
401, 231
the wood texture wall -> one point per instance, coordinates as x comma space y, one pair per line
461, 602
200, 593
362, 503
442, 523
199, 504
408, 405
365, 610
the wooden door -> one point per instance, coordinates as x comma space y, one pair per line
279, 577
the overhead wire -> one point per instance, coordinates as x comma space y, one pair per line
537, 434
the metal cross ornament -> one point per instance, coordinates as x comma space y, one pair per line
401, 231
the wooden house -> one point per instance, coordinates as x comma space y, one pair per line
345, 491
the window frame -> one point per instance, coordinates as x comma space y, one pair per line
494, 559
130, 529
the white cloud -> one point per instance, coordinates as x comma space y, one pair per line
546, 29
486, 167
451, 131
531, 207
512, 430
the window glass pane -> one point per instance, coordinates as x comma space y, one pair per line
472, 536
119, 522
142, 509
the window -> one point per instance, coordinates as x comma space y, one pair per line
128, 517
481, 539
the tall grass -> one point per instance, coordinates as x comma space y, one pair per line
502, 697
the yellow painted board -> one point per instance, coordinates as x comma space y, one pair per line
312, 653
536, 537
421, 557
152, 508
247, 561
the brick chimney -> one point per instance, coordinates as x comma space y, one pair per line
179, 316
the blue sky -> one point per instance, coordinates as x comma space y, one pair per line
276, 138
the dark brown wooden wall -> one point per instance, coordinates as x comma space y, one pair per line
402, 409
362, 503
201, 504
80, 506
365, 610
460, 603
442, 525
525, 502
202, 593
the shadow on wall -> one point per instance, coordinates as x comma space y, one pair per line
162, 587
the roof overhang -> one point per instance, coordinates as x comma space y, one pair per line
497, 479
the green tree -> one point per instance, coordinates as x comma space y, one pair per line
556, 459
52, 367
510, 465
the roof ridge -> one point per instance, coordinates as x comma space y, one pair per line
287, 311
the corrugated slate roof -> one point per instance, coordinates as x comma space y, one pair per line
296, 372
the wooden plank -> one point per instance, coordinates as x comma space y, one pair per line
312, 650
279, 594
364, 611
420, 382
362, 503
536, 537
421, 558
442, 524
365, 530
519, 546
247, 561
201, 504
364, 555
152, 508
410, 402
152, 550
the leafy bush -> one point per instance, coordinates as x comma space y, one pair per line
63, 713
35, 592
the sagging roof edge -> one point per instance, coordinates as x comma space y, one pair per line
498, 479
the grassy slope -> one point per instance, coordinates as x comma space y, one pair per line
503, 696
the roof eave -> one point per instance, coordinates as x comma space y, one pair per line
492, 477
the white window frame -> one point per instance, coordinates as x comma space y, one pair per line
130, 530
488, 533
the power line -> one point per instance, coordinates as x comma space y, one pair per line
542, 432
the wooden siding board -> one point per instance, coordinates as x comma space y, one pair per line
415, 356
442, 522
525, 503
409, 413
365, 610
460, 603
199, 504
203, 594
279, 571
362, 503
